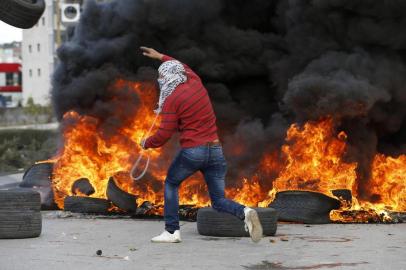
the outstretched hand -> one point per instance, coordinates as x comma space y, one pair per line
151, 53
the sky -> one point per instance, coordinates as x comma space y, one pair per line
9, 33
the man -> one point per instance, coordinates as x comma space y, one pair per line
185, 106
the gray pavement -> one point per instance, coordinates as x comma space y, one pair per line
71, 243
10, 179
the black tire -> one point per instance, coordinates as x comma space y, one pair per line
38, 175
82, 186
213, 223
47, 197
19, 200
304, 206
343, 194
17, 224
88, 205
120, 198
21, 13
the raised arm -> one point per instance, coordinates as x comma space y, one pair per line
152, 53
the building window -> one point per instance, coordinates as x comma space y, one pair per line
38, 47
30, 72
43, 20
39, 72
30, 48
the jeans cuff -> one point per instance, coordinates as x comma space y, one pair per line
172, 228
241, 214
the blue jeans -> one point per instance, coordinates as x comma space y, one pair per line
211, 162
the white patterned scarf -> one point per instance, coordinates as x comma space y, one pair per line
171, 74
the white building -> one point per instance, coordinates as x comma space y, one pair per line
39, 51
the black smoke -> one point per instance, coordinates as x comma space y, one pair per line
266, 64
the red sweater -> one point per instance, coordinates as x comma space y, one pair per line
187, 110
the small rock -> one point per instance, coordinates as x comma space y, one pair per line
284, 239
126, 258
99, 252
133, 249
272, 240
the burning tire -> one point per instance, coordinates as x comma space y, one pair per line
82, 186
19, 200
21, 13
120, 198
88, 205
213, 223
304, 206
38, 175
19, 214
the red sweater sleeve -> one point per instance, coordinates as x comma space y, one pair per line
189, 72
167, 127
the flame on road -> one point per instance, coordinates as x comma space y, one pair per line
312, 158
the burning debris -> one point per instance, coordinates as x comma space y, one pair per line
330, 114
121, 199
304, 206
82, 186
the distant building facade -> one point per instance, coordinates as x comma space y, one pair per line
39, 52
10, 52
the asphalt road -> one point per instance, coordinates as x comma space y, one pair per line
72, 243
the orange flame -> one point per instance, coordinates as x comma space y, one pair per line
314, 159
311, 159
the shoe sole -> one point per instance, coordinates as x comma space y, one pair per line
168, 242
256, 230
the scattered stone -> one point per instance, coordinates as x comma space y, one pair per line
284, 239
99, 252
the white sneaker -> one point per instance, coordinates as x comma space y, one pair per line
167, 237
252, 224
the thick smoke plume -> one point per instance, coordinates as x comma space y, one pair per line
266, 64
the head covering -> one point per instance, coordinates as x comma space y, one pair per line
171, 74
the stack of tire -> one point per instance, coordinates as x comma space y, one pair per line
20, 215
21, 13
